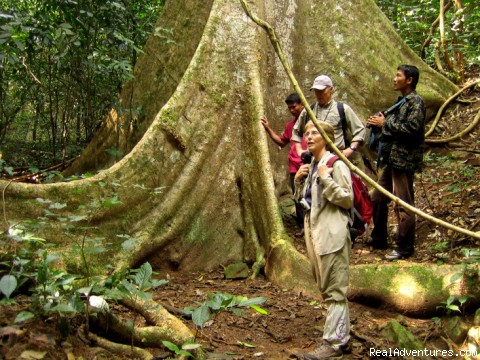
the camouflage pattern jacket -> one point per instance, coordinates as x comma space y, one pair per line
403, 135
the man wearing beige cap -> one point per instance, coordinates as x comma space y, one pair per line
329, 110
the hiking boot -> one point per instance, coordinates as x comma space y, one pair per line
324, 351
395, 255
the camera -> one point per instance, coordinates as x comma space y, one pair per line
306, 157
305, 205
368, 126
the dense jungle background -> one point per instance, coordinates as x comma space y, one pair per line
62, 66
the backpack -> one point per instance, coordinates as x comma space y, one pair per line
343, 119
362, 209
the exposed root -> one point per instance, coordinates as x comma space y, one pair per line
464, 132
116, 348
165, 327
161, 320
444, 106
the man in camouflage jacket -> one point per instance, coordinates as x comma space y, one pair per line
400, 155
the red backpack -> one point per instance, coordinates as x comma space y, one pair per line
362, 210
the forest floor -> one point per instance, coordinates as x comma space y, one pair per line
448, 189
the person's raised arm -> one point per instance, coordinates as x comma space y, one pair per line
275, 137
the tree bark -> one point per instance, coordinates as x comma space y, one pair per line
200, 180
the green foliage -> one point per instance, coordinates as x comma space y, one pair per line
136, 284
51, 289
471, 256
441, 246
19, 268
4, 168
413, 19
8, 284
244, 344
458, 303
62, 64
54, 290
56, 293
184, 350
462, 178
219, 302
455, 303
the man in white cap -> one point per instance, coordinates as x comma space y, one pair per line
339, 115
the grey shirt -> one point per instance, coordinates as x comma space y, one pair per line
329, 113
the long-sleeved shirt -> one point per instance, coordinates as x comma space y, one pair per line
329, 113
331, 200
403, 135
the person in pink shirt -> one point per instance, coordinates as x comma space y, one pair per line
295, 107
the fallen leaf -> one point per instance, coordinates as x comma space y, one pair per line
33, 355
11, 330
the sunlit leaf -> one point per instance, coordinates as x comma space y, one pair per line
77, 218
143, 276
8, 284
244, 344
98, 302
259, 309
33, 355
456, 277
453, 308
57, 206
191, 346
128, 244
170, 346
253, 301
23, 316
51, 257
201, 315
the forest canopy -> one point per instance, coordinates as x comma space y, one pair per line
63, 64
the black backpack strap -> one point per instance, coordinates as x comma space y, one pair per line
343, 119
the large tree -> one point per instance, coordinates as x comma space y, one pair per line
199, 183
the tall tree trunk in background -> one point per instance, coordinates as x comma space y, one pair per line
443, 41
195, 140
458, 31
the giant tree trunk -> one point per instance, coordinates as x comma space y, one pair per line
190, 128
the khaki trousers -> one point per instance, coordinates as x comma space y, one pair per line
331, 274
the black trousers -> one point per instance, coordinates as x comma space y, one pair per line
400, 184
